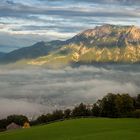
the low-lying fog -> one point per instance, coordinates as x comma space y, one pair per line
36, 90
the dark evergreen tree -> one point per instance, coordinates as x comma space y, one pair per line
80, 110
67, 113
95, 110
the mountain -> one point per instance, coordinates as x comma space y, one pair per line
34, 51
107, 43
2, 54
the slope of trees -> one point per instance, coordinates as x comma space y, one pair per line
112, 106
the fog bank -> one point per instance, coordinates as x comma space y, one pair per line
36, 90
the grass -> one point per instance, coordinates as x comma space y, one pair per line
80, 129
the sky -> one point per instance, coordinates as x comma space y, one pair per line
25, 22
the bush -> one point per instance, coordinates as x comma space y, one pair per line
3, 124
135, 114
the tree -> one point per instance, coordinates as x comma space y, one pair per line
108, 106
42, 119
137, 102
18, 119
67, 113
80, 110
116, 105
95, 110
3, 124
57, 115
127, 104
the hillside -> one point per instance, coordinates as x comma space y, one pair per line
107, 43
80, 129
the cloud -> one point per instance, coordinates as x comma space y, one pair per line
36, 90
10, 106
19, 10
126, 2
61, 19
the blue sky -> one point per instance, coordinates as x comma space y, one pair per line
25, 22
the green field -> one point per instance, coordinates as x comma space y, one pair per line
80, 129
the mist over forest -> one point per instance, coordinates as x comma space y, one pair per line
36, 90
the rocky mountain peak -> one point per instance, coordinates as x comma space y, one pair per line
109, 35
109, 29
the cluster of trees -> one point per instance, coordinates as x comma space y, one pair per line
112, 105
18, 119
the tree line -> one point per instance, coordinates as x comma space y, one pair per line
112, 106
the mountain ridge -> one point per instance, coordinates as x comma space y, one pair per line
107, 43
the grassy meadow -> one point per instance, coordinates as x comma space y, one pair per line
80, 129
